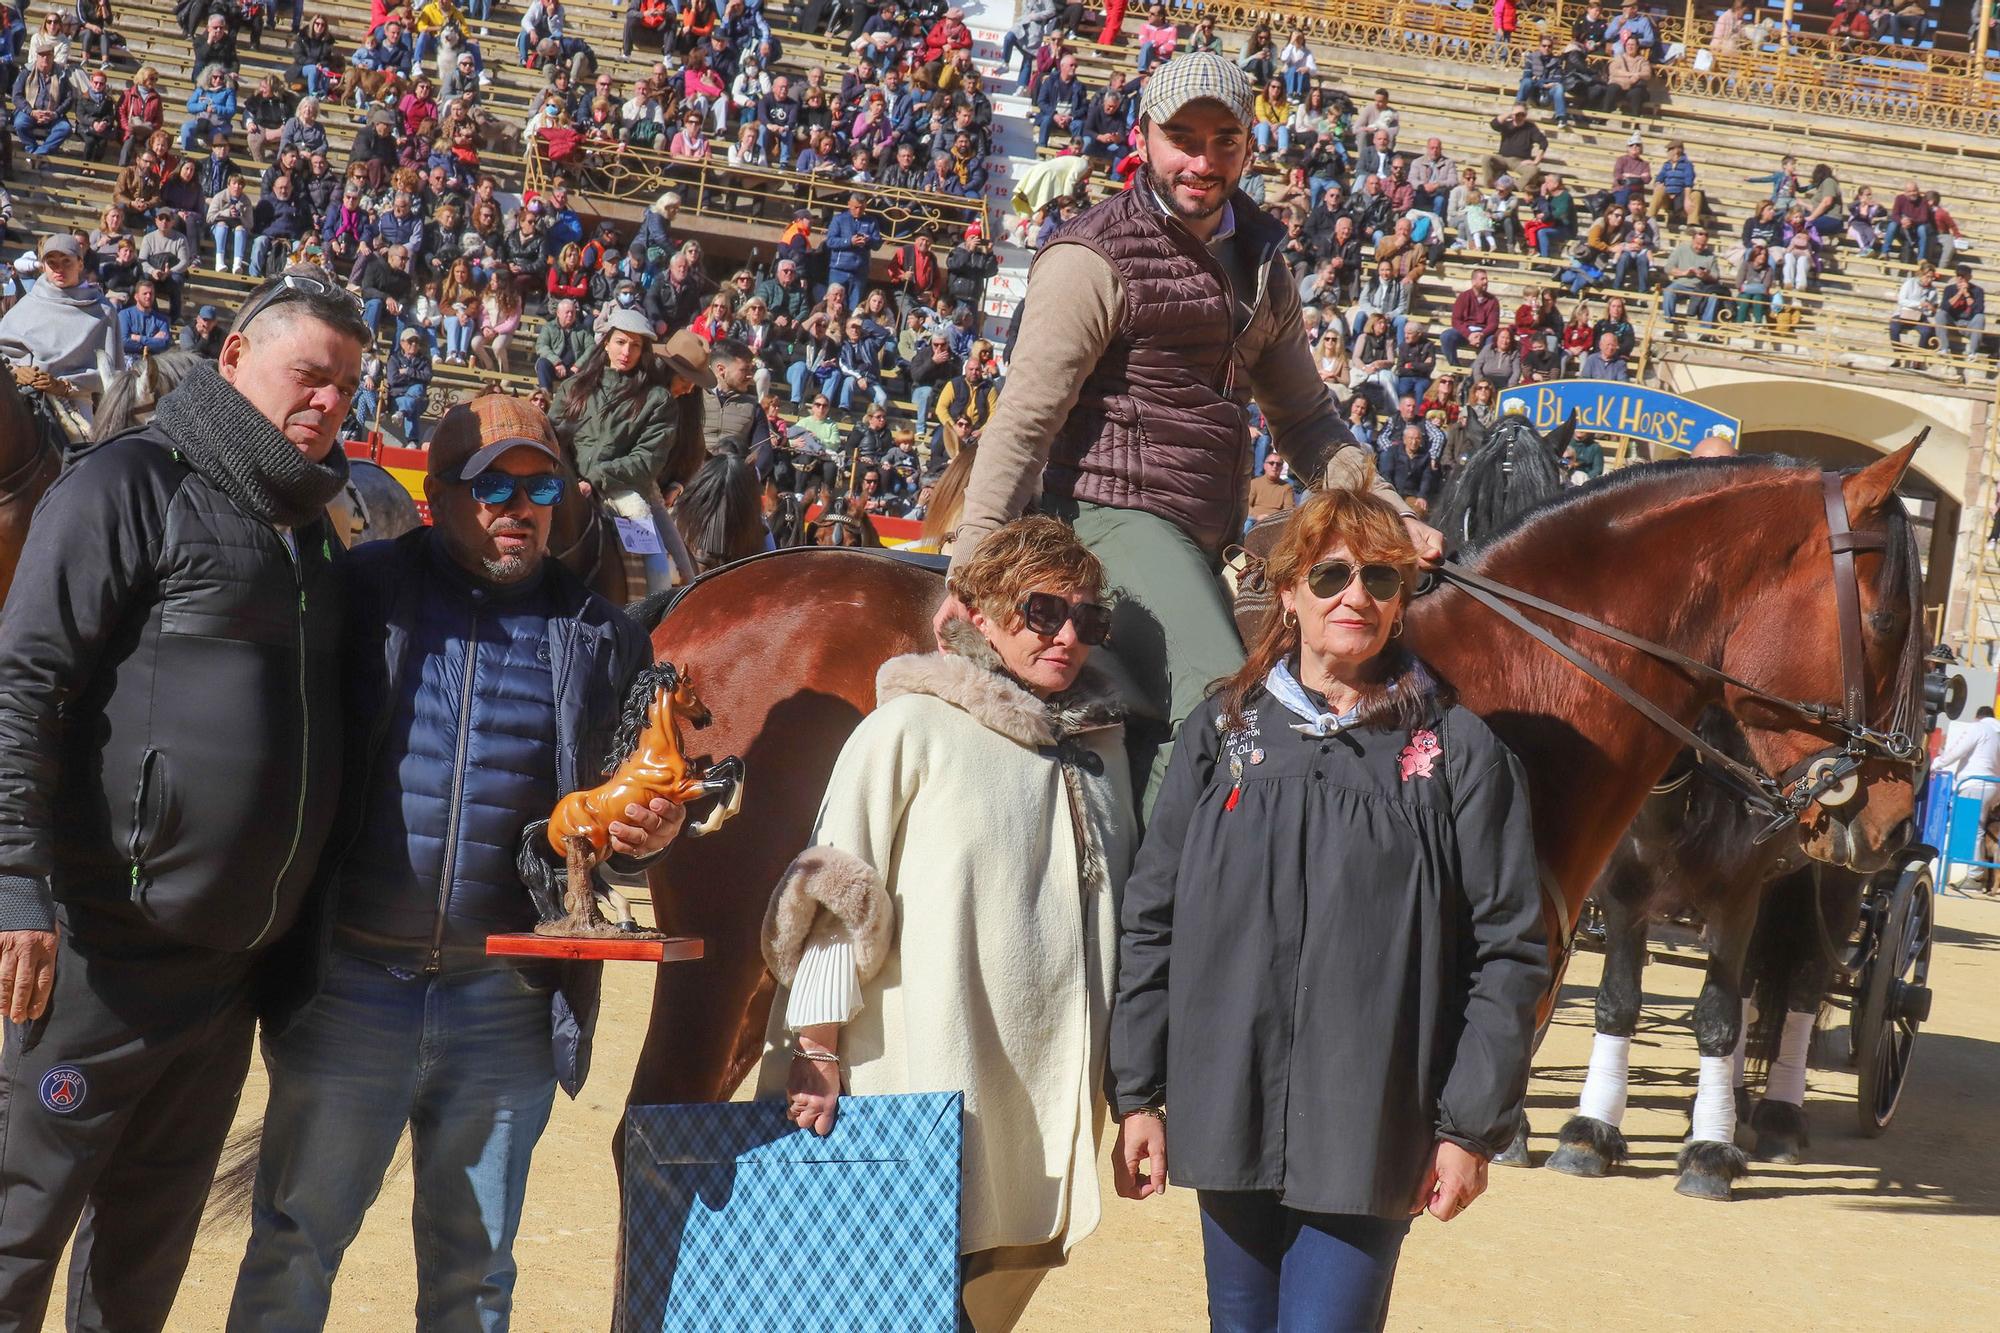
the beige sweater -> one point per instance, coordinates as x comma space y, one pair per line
1075, 303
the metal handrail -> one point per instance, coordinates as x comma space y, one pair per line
762, 196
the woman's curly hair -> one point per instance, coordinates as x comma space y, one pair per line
1030, 554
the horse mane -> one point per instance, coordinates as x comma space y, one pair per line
632, 718
126, 403
719, 513
1499, 480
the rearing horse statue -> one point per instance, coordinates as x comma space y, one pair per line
650, 763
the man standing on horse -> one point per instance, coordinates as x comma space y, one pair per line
483, 681
169, 762
1149, 324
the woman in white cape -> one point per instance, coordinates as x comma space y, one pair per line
953, 925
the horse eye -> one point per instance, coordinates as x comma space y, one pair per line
1882, 622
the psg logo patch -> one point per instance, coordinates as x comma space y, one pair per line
63, 1088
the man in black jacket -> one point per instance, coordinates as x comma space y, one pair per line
169, 760
484, 682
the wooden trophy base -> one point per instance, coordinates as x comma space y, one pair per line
598, 948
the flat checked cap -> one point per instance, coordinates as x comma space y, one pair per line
1193, 77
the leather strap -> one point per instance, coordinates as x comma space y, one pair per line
1847, 595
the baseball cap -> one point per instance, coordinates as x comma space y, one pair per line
1194, 77
208, 312
475, 433
62, 241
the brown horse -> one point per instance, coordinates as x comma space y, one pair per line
1727, 562
30, 459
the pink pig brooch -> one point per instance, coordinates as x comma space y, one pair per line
1417, 757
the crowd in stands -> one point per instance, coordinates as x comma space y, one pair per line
859, 374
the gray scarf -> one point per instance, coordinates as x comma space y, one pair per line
238, 451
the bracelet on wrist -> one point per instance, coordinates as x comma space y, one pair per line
1158, 1113
817, 1057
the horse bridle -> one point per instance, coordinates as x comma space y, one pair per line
1828, 776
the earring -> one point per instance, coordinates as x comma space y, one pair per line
1398, 631
1290, 620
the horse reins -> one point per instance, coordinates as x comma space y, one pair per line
1817, 776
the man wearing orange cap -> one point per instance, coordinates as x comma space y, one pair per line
482, 679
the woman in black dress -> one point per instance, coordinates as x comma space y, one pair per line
1331, 947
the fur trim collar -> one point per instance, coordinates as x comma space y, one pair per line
969, 677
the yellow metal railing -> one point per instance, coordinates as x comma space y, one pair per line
1900, 85
755, 195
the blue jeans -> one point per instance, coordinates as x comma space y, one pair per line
854, 284
1147, 55
52, 134
410, 405
1637, 264
1898, 234
1268, 136
363, 408
1677, 292
1551, 239
231, 243
920, 399
1412, 386
464, 1061
1297, 82
260, 251
1274, 1270
316, 82
458, 336
1558, 100
202, 128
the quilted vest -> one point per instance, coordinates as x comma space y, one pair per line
1161, 424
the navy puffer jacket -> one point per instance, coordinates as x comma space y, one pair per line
471, 711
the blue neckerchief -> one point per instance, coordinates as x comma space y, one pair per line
1293, 696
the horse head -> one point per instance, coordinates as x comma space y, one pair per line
685, 701
1843, 628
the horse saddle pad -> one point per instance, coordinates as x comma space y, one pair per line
734, 1219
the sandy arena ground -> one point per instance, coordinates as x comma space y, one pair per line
1894, 1233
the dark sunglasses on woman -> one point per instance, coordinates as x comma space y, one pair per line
1329, 578
497, 488
1044, 613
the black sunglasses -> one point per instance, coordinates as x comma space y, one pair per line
493, 487
1045, 613
1329, 578
293, 285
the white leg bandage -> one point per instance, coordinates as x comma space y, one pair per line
1787, 1082
1714, 1103
1604, 1086
1742, 1042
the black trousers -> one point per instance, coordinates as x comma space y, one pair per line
113, 1110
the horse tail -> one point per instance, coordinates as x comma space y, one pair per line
232, 1195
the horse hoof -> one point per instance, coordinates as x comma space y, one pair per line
1707, 1169
1587, 1147
1781, 1133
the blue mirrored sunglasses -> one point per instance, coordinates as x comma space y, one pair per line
497, 488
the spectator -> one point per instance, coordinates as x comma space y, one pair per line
142, 329
499, 317
1917, 306
561, 346
409, 379
386, 285
266, 112
1104, 132
1388, 295
205, 334
1867, 222
1270, 493
1157, 37
1962, 309
1378, 156
1431, 178
1675, 197
215, 44
1757, 283
1631, 173
42, 99
1542, 77
1417, 362
1408, 466
1475, 315
1499, 361
1607, 362
1727, 37
1945, 228
1061, 102
1617, 322
1630, 23
567, 279
969, 267
916, 274
230, 215
1522, 145
211, 107
1555, 211
1911, 223
1296, 65
1632, 266
1798, 263
1378, 115
1372, 363
97, 117
140, 112
965, 404
1693, 273
62, 329
1630, 79
315, 62
1271, 126
165, 255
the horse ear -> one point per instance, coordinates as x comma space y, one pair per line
1563, 436
1873, 486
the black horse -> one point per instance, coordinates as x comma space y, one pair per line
1505, 475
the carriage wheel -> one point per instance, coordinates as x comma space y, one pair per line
1892, 998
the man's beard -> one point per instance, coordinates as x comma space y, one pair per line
1163, 190
511, 568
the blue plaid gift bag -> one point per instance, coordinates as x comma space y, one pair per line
737, 1220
